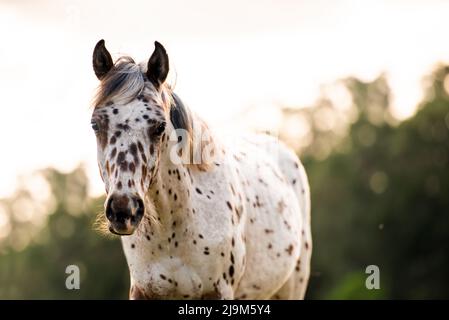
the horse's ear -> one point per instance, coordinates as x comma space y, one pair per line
101, 60
158, 65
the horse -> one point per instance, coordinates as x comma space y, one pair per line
199, 216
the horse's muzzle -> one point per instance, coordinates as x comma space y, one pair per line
124, 213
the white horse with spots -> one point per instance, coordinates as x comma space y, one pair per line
233, 225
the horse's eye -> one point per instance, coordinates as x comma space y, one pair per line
95, 126
159, 129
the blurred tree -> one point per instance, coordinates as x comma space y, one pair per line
67, 238
381, 196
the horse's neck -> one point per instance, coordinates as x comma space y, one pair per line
172, 185
170, 190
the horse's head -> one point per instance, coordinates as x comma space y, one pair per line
130, 117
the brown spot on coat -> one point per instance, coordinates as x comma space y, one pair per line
113, 153
140, 146
231, 271
133, 151
289, 249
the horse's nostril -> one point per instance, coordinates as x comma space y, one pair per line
139, 204
109, 213
140, 208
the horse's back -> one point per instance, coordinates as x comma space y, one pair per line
277, 219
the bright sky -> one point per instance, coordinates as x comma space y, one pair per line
226, 56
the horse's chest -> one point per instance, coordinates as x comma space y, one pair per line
187, 266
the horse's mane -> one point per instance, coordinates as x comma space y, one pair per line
182, 118
127, 80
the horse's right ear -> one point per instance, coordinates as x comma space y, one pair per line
101, 60
158, 65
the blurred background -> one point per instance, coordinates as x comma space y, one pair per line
360, 89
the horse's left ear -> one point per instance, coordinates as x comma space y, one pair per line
101, 60
158, 65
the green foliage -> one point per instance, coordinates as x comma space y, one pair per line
68, 238
380, 196
385, 202
352, 286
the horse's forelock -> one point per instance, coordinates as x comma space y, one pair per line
123, 83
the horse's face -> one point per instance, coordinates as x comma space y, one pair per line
128, 143
129, 137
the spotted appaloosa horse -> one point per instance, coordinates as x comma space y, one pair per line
233, 226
